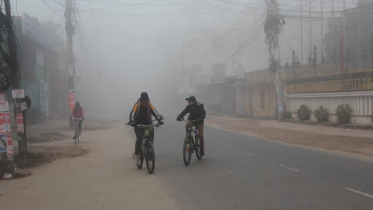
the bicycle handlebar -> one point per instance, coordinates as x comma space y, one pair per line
190, 121
147, 126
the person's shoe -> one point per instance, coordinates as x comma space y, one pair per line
135, 159
202, 152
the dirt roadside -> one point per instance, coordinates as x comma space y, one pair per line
104, 178
334, 139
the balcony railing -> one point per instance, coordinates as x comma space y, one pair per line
359, 81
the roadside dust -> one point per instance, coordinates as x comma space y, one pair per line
311, 138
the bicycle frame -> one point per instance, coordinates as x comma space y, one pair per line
191, 130
146, 137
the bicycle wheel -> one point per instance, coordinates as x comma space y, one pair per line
150, 157
197, 148
187, 149
140, 162
76, 134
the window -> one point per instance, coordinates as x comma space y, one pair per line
262, 99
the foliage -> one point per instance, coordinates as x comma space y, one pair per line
321, 114
287, 115
343, 113
304, 113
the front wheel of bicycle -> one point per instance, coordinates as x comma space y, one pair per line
140, 162
187, 150
150, 157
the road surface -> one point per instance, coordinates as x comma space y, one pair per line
238, 172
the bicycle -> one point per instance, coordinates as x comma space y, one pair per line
191, 143
147, 148
78, 132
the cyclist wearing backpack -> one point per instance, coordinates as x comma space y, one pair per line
142, 113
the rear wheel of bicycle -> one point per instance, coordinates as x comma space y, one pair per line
150, 157
76, 136
187, 150
197, 149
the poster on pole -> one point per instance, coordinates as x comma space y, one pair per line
20, 123
7, 137
9, 142
4, 122
18, 93
2, 98
3, 148
71, 101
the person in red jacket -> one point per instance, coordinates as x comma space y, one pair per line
78, 113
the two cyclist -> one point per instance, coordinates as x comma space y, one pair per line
142, 113
196, 112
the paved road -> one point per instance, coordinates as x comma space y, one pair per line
243, 172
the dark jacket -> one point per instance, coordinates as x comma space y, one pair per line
196, 111
142, 113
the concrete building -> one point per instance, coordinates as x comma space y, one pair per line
205, 70
43, 74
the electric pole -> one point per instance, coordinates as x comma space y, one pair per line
272, 38
344, 36
322, 27
332, 29
358, 37
301, 31
14, 68
70, 56
310, 25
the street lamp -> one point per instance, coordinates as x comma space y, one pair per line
343, 56
295, 62
371, 49
312, 58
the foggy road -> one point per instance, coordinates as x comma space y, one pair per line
243, 172
238, 172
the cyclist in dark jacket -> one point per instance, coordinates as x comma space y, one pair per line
196, 111
142, 114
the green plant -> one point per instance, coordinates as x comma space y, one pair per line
321, 114
343, 113
304, 113
287, 115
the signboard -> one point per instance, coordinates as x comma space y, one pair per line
18, 93
71, 101
4, 122
20, 123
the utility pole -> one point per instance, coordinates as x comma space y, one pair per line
310, 25
332, 29
14, 67
322, 27
358, 37
301, 31
274, 50
344, 37
70, 56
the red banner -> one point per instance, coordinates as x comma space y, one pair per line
20, 123
71, 101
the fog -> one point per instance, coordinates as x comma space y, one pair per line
123, 48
